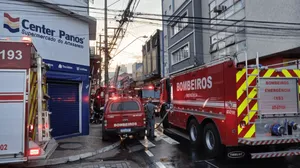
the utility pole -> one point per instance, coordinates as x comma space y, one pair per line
106, 50
100, 60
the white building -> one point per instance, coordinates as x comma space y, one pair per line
61, 35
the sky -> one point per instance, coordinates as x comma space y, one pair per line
132, 53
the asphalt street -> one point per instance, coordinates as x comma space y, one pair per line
171, 151
168, 151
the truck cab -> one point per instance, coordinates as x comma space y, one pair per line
99, 97
164, 99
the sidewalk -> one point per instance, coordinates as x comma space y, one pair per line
103, 164
77, 148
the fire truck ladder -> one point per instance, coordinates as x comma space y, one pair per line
249, 87
43, 123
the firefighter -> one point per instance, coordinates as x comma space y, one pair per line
150, 112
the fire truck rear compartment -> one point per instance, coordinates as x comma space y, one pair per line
269, 142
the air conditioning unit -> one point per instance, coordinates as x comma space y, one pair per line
220, 8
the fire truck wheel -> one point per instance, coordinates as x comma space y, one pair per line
211, 139
141, 135
165, 123
104, 136
195, 133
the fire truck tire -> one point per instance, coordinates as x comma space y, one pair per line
165, 123
194, 130
141, 135
104, 136
211, 140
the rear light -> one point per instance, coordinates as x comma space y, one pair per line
31, 127
243, 124
144, 120
105, 123
98, 97
26, 39
34, 152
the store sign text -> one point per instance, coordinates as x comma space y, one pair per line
15, 24
41, 31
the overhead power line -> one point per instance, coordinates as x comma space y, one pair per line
65, 5
159, 15
170, 17
113, 3
218, 24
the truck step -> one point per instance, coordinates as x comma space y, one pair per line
177, 132
275, 154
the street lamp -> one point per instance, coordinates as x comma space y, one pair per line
130, 44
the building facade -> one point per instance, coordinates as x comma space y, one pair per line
152, 52
61, 36
228, 28
123, 69
184, 42
241, 34
136, 70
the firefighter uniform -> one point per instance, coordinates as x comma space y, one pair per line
150, 112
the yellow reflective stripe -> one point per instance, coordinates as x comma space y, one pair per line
243, 86
286, 73
240, 74
297, 72
252, 114
32, 98
243, 105
250, 132
269, 73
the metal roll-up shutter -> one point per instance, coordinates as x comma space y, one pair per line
64, 105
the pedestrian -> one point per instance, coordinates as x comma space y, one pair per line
150, 112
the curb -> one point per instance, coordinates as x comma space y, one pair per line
63, 160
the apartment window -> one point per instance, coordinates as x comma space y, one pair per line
228, 3
230, 40
238, 6
214, 39
181, 54
221, 45
212, 6
180, 24
213, 47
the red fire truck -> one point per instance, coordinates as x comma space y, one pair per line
24, 121
240, 110
148, 91
99, 97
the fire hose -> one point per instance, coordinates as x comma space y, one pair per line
164, 117
167, 112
